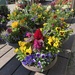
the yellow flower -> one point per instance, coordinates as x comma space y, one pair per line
28, 51
57, 40
58, 10
57, 28
56, 44
15, 24
16, 50
40, 29
39, 16
64, 22
44, 24
22, 21
53, 37
22, 49
50, 40
62, 33
8, 15
58, 51
46, 48
22, 43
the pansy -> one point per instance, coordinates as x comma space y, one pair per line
15, 24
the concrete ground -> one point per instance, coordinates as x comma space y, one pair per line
71, 63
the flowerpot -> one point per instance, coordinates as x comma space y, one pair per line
32, 68
12, 44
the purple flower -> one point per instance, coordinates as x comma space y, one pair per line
39, 64
49, 55
0, 39
33, 19
34, 60
7, 35
55, 55
45, 31
29, 59
43, 55
37, 54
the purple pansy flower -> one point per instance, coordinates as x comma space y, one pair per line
29, 59
39, 64
43, 55
37, 54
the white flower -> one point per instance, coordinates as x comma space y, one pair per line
49, 7
65, 7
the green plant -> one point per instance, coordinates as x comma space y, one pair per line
43, 43
4, 10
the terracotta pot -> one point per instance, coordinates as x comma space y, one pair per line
32, 68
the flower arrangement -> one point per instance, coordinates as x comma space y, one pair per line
48, 30
2, 21
3, 17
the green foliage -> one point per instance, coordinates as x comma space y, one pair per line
4, 10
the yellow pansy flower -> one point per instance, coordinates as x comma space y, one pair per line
15, 24
16, 50
57, 28
62, 33
22, 49
50, 40
28, 51
57, 40
22, 43
56, 44
53, 37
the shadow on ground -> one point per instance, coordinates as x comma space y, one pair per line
68, 43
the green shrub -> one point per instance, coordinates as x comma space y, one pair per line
4, 10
